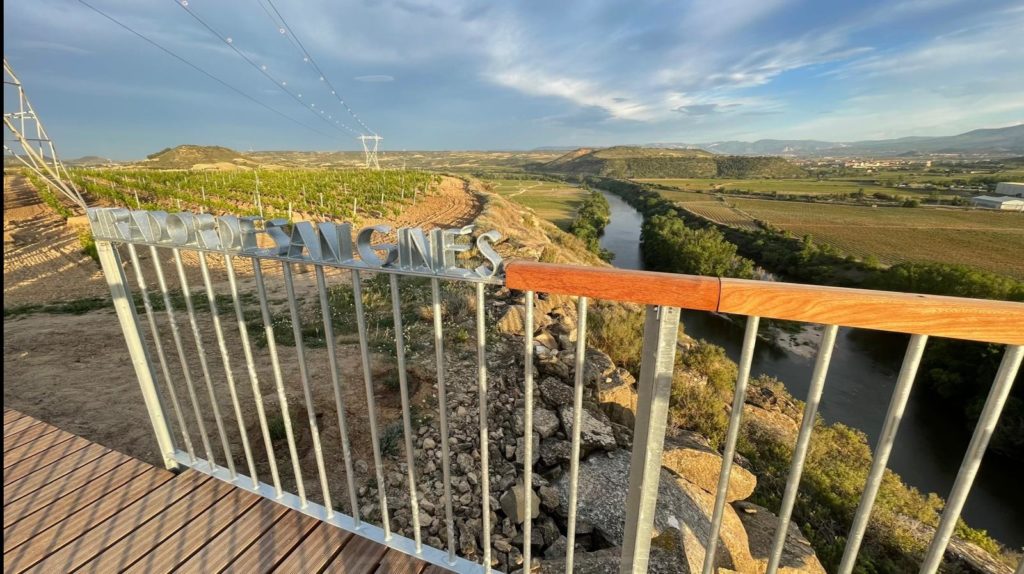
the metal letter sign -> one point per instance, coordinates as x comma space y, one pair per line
327, 243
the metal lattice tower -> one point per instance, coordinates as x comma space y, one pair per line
371, 152
24, 131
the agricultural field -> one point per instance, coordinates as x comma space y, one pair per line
680, 196
554, 201
824, 187
722, 214
290, 193
988, 240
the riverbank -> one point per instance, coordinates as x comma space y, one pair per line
862, 376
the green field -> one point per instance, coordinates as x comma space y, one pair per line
553, 201
987, 240
786, 186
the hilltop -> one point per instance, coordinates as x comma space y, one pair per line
637, 162
196, 157
1005, 141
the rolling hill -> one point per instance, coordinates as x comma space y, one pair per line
636, 162
196, 156
1005, 141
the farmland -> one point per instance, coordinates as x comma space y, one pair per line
987, 240
322, 194
553, 201
823, 187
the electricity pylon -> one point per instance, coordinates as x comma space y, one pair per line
371, 152
37, 150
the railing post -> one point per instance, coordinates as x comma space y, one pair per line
125, 308
661, 328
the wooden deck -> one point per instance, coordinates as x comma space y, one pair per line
73, 505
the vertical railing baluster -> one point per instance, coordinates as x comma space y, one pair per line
211, 299
803, 441
485, 467
155, 332
442, 407
577, 422
339, 400
371, 402
654, 390
1008, 368
185, 371
893, 416
129, 320
528, 429
403, 389
300, 351
250, 363
201, 350
275, 363
746, 356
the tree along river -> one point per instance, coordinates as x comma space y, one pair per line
860, 380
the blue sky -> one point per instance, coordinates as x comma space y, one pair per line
517, 75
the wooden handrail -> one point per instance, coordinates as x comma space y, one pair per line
954, 317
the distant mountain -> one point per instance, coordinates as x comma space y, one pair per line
1006, 141
638, 162
90, 160
196, 156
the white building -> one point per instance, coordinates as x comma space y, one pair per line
1003, 203
1010, 188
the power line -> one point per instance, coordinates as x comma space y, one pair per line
181, 59
262, 68
308, 58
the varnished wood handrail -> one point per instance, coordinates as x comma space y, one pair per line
954, 317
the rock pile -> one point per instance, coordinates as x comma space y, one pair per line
688, 478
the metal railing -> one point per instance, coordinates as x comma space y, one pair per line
330, 255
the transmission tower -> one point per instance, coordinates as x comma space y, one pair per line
25, 133
371, 152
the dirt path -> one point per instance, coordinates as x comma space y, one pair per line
43, 259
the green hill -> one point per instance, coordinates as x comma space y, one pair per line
637, 162
188, 156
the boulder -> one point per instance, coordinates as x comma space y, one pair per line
602, 490
545, 422
555, 451
547, 340
596, 366
513, 502
617, 396
595, 428
690, 456
770, 423
555, 393
760, 524
512, 321
553, 366
668, 556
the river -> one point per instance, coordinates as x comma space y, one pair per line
860, 380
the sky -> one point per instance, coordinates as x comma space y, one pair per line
462, 74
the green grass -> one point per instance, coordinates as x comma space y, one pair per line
781, 186
987, 240
554, 201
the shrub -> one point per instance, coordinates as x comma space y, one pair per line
618, 331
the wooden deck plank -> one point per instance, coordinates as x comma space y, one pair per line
400, 563
38, 517
142, 539
52, 473
43, 459
72, 451
11, 415
176, 548
263, 555
224, 547
11, 429
79, 487
26, 451
83, 534
359, 556
27, 436
316, 550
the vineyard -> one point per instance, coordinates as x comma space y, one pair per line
721, 214
987, 240
289, 194
554, 201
